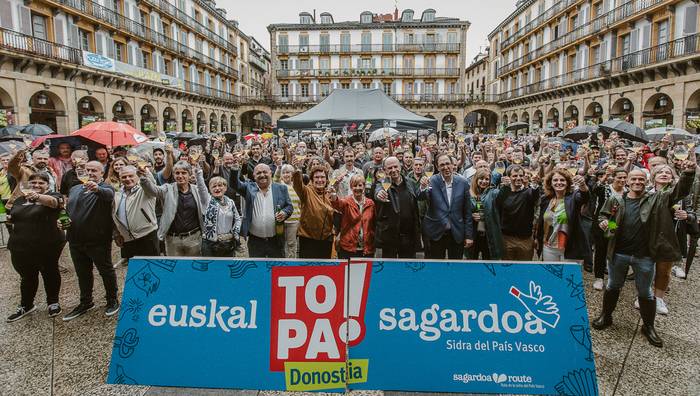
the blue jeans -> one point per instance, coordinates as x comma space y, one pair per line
643, 274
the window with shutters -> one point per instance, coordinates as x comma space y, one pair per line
325, 64
119, 51
662, 32
387, 41
345, 42
325, 42
690, 20
304, 43
39, 26
366, 41
84, 39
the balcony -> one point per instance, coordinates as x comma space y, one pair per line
367, 48
34, 47
406, 99
192, 23
368, 73
684, 47
537, 22
595, 26
141, 32
256, 61
38, 48
210, 92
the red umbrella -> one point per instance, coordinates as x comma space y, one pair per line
111, 134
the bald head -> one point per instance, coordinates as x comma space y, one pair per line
262, 175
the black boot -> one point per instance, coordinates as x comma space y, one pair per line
647, 309
610, 298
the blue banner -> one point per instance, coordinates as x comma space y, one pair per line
488, 327
374, 324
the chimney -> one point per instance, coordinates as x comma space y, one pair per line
396, 14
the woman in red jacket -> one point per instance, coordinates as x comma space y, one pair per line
357, 221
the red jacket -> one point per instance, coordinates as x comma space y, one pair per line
352, 220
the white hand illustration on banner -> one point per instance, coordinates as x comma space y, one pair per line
542, 307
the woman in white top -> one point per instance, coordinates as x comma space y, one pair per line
222, 223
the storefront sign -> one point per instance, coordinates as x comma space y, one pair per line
654, 123
88, 119
327, 324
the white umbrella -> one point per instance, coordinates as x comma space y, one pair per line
656, 134
380, 133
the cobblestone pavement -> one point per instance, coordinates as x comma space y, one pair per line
41, 356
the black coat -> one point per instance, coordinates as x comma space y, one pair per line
387, 217
577, 246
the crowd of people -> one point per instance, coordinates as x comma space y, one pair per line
619, 207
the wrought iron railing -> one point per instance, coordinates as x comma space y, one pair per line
686, 46
19, 42
595, 26
368, 72
360, 48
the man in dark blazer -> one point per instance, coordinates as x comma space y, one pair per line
448, 221
262, 211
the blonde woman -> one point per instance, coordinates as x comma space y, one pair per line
222, 223
291, 225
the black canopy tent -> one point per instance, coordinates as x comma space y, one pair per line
345, 107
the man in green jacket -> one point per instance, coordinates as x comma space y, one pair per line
636, 241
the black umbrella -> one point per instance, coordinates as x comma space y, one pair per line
625, 130
580, 132
11, 147
517, 125
10, 130
186, 136
36, 130
550, 131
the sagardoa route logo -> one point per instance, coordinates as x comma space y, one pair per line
309, 329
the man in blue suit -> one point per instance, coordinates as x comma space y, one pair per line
266, 204
448, 221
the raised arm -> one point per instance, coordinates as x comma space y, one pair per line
150, 187
202, 190
298, 184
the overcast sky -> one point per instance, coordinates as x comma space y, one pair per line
255, 15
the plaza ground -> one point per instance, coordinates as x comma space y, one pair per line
41, 356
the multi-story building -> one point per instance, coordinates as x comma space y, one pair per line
420, 61
160, 65
569, 62
259, 62
476, 79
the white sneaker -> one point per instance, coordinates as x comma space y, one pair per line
598, 284
678, 272
636, 303
661, 307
